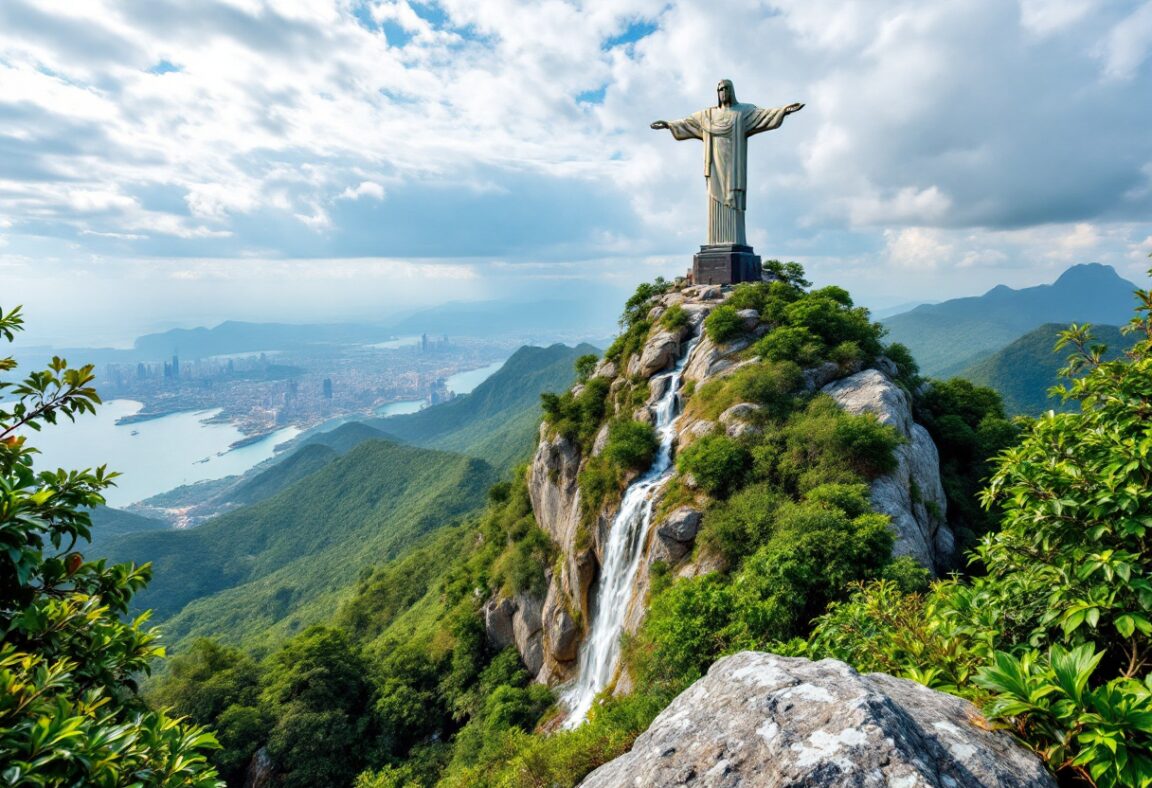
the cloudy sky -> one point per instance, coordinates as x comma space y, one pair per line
186, 161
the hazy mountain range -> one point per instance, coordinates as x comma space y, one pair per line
949, 337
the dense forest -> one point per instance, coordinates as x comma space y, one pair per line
1045, 622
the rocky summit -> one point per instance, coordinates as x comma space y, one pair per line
763, 720
547, 630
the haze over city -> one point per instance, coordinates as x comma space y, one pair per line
173, 163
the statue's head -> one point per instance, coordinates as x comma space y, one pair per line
725, 93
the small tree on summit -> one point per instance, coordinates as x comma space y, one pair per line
69, 712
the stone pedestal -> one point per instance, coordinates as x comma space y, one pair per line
725, 264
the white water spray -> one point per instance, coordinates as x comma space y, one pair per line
622, 554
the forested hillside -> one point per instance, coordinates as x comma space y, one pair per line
262, 571
1027, 369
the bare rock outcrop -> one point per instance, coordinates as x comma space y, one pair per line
659, 353
517, 621
762, 720
912, 494
677, 533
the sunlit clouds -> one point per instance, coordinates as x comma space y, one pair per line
944, 146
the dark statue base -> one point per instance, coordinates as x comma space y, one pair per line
725, 264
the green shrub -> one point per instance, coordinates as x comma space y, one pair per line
851, 499
599, 482
828, 313
846, 355
717, 462
629, 342
749, 295
772, 385
638, 304
789, 275
812, 559
681, 635
675, 318
521, 568
908, 371
585, 366
823, 445
791, 343
739, 526
71, 653
723, 324
577, 416
631, 444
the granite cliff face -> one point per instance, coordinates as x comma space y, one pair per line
763, 720
548, 630
912, 495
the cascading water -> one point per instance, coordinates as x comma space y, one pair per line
622, 555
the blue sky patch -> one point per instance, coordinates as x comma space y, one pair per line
165, 67
636, 30
592, 96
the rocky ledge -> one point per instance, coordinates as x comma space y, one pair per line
763, 720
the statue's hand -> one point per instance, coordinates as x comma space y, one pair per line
660, 124
793, 108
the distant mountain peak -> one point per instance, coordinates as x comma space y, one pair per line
1089, 272
948, 336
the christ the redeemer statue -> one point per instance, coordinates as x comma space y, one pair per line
725, 130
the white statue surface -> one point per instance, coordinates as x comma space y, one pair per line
725, 130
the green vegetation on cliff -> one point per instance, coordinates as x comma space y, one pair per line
1056, 638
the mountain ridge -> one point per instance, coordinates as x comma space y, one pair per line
957, 332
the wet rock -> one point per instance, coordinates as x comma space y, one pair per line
762, 720
659, 353
563, 635
678, 532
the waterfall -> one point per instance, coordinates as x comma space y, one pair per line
622, 554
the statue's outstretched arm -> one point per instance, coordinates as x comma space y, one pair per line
793, 108
684, 129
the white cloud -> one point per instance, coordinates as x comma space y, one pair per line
1045, 17
958, 134
1129, 43
917, 248
364, 189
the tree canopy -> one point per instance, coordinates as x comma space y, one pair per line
69, 712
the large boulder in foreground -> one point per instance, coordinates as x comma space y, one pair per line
763, 720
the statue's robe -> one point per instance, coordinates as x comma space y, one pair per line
725, 132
